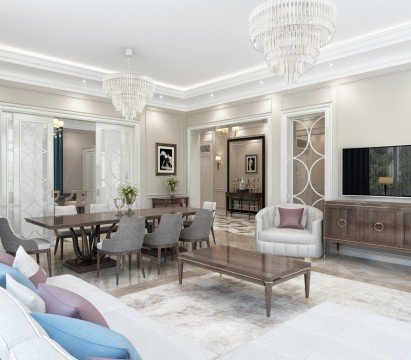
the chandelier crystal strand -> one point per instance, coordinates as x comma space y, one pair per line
129, 92
290, 33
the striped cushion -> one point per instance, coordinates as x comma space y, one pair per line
39, 349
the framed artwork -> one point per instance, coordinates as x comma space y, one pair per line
251, 163
166, 159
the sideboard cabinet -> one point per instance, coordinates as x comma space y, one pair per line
375, 225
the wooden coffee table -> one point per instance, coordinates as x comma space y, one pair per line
258, 268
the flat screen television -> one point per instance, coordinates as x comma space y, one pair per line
377, 171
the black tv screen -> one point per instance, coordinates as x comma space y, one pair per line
377, 171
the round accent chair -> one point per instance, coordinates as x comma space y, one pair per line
303, 243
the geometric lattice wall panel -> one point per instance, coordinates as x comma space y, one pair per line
308, 160
29, 171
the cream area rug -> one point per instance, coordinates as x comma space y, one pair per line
222, 313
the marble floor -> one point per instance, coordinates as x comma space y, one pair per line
383, 274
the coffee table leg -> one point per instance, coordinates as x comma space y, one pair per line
180, 271
307, 276
268, 296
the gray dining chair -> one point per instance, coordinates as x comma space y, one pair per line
11, 242
165, 236
207, 205
128, 240
104, 229
63, 234
199, 230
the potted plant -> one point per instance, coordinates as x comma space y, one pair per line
171, 184
130, 193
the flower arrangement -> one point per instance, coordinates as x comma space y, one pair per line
171, 183
129, 192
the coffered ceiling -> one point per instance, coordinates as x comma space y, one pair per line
191, 48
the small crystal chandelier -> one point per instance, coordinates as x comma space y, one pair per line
57, 128
291, 33
129, 92
226, 131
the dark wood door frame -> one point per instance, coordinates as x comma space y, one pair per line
259, 137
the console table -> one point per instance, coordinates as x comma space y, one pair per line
375, 225
166, 201
249, 202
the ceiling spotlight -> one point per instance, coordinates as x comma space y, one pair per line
84, 81
211, 95
261, 82
331, 64
161, 97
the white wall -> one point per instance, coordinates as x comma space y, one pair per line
74, 141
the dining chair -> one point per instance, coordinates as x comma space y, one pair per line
199, 230
77, 198
207, 205
128, 240
11, 242
100, 208
165, 236
62, 234
56, 196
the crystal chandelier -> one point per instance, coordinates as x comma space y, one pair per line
291, 33
57, 128
226, 131
129, 92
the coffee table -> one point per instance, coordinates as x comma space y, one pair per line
252, 266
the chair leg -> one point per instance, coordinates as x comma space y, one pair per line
118, 268
158, 260
140, 260
165, 255
38, 258
98, 264
172, 253
129, 262
56, 245
208, 242
49, 261
212, 233
62, 248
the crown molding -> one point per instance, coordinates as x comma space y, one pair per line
39, 70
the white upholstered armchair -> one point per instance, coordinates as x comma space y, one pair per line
306, 243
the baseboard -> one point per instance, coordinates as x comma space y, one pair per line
371, 255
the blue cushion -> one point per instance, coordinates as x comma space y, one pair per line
83, 339
16, 275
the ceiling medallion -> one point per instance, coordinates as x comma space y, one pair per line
291, 33
129, 92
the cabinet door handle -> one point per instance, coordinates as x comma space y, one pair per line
379, 226
342, 223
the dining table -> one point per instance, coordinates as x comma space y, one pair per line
85, 231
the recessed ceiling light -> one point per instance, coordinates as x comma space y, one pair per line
161, 97
211, 95
84, 81
331, 64
261, 82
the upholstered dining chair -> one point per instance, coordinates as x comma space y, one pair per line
11, 242
104, 229
78, 199
127, 240
207, 205
62, 234
199, 230
165, 236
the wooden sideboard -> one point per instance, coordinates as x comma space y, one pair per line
375, 225
166, 201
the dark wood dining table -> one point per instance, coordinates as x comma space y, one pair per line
89, 226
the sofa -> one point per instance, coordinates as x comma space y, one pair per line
301, 243
327, 331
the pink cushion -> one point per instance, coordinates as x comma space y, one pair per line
6, 259
291, 218
66, 303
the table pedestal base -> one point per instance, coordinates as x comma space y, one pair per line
83, 266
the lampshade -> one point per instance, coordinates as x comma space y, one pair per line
218, 158
386, 180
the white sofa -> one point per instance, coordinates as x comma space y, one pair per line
327, 331
307, 243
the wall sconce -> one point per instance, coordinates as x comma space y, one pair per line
57, 127
235, 130
218, 161
222, 131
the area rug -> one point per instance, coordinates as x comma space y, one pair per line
222, 313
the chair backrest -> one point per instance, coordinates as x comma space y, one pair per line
65, 210
210, 205
97, 208
8, 238
168, 231
130, 234
200, 227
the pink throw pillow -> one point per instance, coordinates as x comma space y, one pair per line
66, 303
6, 259
291, 218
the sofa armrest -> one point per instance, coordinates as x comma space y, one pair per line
264, 219
317, 230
